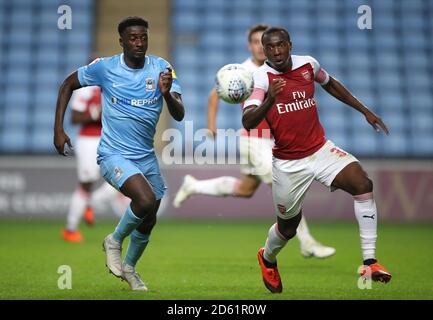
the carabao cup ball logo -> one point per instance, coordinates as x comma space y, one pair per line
234, 83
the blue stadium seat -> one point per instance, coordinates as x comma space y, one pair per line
16, 96
391, 100
22, 17
386, 23
189, 21
416, 60
364, 142
43, 117
19, 76
326, 20
395, 121
396, 144
45, 97
389, 79
386, 41
419, 80
421, 100
16, 117
414, 7
421, 121
421, 146
299, 22
414, 41
14, 140
41, 140
387, 59
328, 40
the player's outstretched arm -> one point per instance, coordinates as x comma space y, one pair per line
70, 84
337, 90
173, 99
212, 111
253, 115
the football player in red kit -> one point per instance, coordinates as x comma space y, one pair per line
284, 96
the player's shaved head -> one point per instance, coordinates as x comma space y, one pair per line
131, 22
272, 30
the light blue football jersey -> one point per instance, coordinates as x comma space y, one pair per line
131, 103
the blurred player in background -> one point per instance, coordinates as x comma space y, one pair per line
86, 111
284, 96
256, 152
134, 86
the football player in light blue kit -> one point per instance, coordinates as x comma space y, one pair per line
133, 88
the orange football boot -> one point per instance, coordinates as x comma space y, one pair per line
271, 276
72, 236
377, 272
89, 217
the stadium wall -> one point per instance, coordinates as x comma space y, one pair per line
40, 187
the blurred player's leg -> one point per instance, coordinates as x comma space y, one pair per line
108, 194
310, 247
77, 207
221, 186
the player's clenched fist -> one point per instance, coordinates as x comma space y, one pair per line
165, 81
275, 87
60, 138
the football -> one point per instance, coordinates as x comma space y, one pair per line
234, 83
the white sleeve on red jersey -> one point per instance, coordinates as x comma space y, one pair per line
261, 84
80, 98
320, 74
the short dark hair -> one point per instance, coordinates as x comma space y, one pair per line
131, 21
256, 28
276, 29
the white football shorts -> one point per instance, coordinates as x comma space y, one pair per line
85, 153
256, 157
292, 178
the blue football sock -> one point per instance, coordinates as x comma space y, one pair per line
127, 224
137, 243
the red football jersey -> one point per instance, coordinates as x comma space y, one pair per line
88, 100
293, 118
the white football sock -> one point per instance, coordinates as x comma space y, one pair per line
303, 233
366, 214
79, 201
222, 186
274, 243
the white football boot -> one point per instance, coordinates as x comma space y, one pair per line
133, 278
185, 191
316, 249
113, 255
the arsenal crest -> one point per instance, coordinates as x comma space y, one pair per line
281, 208
306, 75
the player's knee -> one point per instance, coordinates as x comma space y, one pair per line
365, 186
245, 193
145, 205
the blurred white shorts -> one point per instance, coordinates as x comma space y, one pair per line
85, 152
256, 157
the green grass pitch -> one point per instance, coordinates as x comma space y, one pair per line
212, 260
